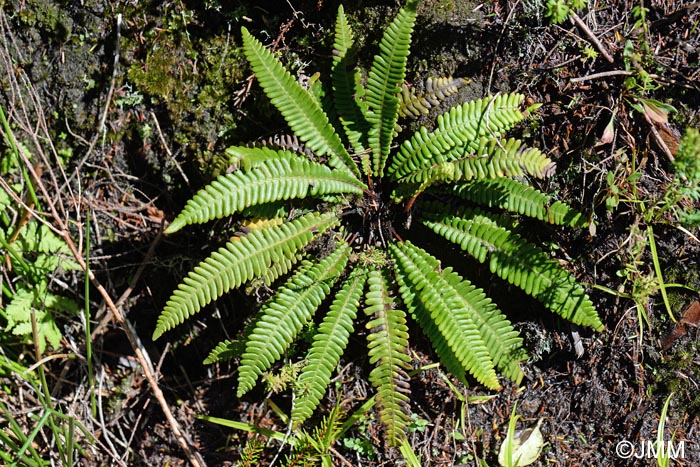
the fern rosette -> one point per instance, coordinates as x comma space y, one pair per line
363, 202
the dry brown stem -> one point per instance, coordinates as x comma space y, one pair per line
576, 19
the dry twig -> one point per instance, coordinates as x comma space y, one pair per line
576, 19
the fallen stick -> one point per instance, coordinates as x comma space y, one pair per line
603, 74
575, 19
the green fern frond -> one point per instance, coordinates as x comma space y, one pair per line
274, 272
329, 343
512, 158
279, 269
436, 90
493, 115
520, 263
514, 196
285, 315
436, 209
492, 159
411, 298
347, 90
269, 180
479, 336
385, 76
476, 224
225, 350
237, 263
303, 114
344, 39
461, 320
388, 351
245, 158
461, 130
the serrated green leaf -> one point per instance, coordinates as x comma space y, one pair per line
328, 345
387, 343
303, 114
385, 76
270, 180
285, 315
237, 263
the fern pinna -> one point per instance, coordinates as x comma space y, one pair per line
457, 181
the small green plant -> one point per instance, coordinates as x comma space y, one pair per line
559, 10
33, 260
314, 447
361, 445
251, 452
307, 447
682, 197
343, 210
522, 447
33, 255
675, 205
417, 424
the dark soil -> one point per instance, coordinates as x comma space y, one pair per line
182, 92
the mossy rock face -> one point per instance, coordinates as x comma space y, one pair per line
61, 47
45, 15
189, 75
188, 65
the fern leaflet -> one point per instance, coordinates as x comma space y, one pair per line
329, 343
459, 129
303, 114
455, 324
436, 90
237, 263
512, 195
388, 350
411, 298
270, 180
286, 314
385, 76
225, 350
520, 263
245, 158
347, 91
491, 159
467, 308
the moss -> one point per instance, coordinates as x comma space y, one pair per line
687, 274
677, 373
191, 73
45, 15
677, 370
164, 76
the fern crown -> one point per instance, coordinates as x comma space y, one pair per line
331, 227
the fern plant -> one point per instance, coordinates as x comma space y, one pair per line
341, 214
